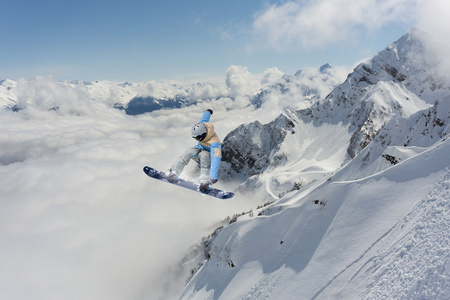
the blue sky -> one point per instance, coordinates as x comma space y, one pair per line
140, 40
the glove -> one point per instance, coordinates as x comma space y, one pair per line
210, 110
214, 181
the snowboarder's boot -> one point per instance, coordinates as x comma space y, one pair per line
172, 177
204, 187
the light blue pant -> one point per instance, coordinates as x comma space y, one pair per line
202, 157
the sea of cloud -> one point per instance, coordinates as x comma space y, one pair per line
78, 217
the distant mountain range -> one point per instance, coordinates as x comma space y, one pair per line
138, 98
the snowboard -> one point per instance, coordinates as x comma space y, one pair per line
213, 192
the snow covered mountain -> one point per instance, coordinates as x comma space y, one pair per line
361, 185
384, 236
317, 140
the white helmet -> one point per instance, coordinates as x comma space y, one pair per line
198, 131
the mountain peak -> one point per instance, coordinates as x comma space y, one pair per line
416, 33
325, 68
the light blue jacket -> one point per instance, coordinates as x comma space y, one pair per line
211, 143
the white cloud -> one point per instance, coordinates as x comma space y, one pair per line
312, 79
271, 76
434, 18
241, 82
45, 94
78, 217
318, 23
159, 89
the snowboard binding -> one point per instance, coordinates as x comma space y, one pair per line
203, 187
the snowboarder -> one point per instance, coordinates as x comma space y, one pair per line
207, 153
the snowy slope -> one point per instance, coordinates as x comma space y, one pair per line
385, 235
402, 138
7, 95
